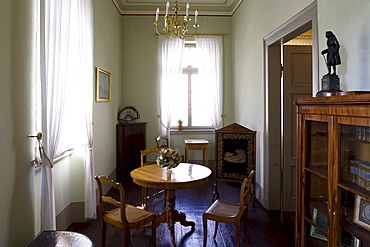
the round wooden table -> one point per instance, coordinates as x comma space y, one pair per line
183, 176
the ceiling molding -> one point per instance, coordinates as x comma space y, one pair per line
205, 7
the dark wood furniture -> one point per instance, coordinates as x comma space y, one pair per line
130, 140
235, 154
61, 238
333, 136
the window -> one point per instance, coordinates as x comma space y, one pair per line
191, 82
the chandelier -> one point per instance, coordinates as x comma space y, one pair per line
176, 25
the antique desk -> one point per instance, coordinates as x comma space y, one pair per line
197, 144
183, 176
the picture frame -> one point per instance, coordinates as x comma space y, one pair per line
321, 221
362, 212
103, 85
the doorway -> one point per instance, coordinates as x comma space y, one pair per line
278, 133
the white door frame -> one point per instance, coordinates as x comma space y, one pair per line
303, 21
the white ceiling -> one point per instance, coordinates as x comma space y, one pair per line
204, 7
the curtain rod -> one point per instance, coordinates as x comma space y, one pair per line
207, 34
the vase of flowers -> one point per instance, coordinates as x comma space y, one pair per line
169, 158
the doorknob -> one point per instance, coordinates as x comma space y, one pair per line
276, 164
275, 145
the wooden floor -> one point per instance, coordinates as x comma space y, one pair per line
265, 228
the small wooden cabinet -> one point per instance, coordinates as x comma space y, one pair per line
130, 140
235, 154
333, 172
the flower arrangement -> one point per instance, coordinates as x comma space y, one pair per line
169, 158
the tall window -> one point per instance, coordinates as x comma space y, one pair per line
191, 82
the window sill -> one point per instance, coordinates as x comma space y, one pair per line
192, 131
57, 159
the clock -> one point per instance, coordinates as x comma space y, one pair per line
128, 113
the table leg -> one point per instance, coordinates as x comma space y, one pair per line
186, 153
171, 216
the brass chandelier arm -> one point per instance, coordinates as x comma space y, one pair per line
176, 25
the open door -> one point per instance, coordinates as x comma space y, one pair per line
297, 83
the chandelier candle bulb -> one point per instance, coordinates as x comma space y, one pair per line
156, 14
196, 16
187, 9
167, 5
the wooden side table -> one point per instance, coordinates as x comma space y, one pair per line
196, 144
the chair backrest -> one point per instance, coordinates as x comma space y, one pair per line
246, 191
144, 153
162, 141
102, 199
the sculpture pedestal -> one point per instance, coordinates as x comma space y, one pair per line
330, 83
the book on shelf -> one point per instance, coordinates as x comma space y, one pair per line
360, 173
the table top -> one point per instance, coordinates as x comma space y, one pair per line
196, 141
184, 176
61, 238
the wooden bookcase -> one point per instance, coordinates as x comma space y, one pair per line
333, 151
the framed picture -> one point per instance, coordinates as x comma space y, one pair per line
362, 212
321, 221
103, 85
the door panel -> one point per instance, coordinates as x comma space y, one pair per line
297, 83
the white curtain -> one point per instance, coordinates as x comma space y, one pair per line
84, 23
53, 63
59, 23
211, 66
170, 55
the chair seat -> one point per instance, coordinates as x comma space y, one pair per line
222, 208
133, 214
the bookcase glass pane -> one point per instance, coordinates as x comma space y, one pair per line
317, 195
355, 156
347, 227
317, 146
316, 210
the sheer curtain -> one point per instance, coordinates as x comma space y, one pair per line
84, 23
170, 56
210, 48
53, 63
65, 60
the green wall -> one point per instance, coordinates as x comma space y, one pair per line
16, 183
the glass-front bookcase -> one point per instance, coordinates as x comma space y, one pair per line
333, 171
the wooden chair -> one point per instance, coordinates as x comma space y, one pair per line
227, 212
162, 142
123, 216
143, 154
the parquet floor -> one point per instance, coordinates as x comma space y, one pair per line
265, 228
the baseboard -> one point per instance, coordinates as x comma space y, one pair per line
74, 212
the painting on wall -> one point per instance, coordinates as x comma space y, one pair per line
103, 85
